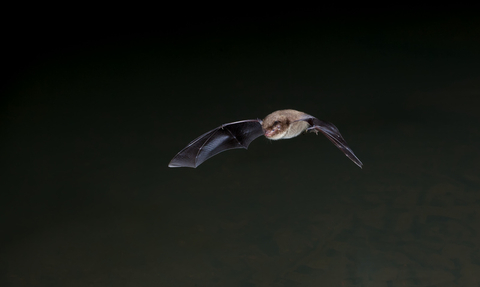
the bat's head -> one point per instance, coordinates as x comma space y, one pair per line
276, 131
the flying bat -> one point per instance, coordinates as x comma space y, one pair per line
283, 124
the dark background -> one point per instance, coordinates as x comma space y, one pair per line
92, 113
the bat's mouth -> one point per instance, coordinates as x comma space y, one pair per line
274, 134
269, 133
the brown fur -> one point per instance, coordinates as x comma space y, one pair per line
284, 124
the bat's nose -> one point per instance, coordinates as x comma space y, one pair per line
268, 133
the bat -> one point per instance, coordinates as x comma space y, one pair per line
282, 124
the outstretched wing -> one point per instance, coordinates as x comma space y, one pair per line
333, 134
228, 136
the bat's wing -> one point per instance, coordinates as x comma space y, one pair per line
333, 134
228, 136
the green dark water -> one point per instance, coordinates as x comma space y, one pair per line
87, 134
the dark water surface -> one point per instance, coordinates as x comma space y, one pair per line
88, 199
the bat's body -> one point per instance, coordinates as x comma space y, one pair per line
283, 124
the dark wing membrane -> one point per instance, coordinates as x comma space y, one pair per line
333, 134
228, 136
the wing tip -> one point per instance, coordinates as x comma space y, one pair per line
173, 164
358, 163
